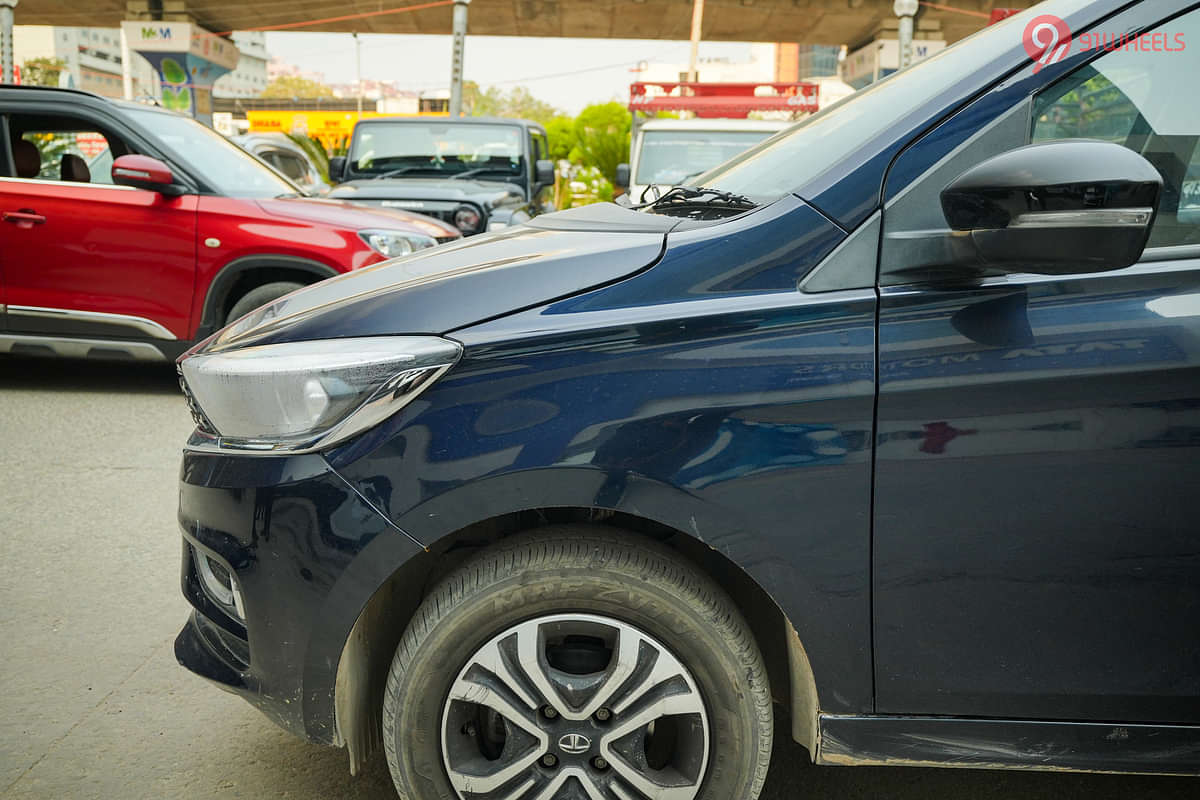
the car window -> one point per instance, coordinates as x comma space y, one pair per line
227, 168
437, 148
837, 133
66, 150
671, 156
1139, 99
293, 166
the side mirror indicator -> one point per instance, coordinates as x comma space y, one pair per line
1076, 205
144, 172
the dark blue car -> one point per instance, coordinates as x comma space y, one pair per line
888, 430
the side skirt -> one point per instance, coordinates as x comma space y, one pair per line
1009, 744
142, 350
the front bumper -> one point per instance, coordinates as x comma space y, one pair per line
291, 531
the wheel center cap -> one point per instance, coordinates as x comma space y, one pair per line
574, 743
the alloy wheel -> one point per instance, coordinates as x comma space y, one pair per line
575, 707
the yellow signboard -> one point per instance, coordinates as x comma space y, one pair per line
332, 128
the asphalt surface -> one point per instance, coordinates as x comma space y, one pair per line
92, 703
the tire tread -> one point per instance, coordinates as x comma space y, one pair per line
559, 546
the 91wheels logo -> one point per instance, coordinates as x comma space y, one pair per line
1047, 40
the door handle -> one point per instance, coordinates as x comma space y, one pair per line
25, 218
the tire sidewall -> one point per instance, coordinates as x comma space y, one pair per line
260, 296
688, 630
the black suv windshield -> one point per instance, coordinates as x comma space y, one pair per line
438, 148
790, 160
229, 169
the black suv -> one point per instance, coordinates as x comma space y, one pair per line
479, 174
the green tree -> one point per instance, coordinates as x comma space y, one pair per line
561, 133
42, 71
493, 102
520, 102
289, 86
480, 103
315, 151
602, 137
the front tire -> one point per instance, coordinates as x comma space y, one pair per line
260, 296
577, 663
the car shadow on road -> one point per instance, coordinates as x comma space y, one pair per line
78, 375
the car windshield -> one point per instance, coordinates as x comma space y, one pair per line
670, 156
444, 148
229, 169
819, 144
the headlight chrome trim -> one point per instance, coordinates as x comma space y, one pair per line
389, 397
377, 239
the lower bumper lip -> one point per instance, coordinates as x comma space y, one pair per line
289, 529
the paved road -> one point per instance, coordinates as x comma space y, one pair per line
92, 702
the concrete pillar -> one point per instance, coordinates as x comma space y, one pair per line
456, 57
906, 10
188, 60
7, 67
697, 27
126, 67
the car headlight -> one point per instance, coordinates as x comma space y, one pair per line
305, 396
467, 219
396, 243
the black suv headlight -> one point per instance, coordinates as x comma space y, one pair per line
468, 219
306, 396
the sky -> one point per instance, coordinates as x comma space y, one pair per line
567, 73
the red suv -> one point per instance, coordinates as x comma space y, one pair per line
130, 231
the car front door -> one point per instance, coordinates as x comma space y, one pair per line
1036, 552
84, 257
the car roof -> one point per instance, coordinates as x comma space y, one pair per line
716, 124
525, 123
80, 96
274, 137
76, 93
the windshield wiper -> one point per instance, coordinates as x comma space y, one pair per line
468, 173
402, 170
699, 202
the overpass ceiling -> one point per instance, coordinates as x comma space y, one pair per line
806, 21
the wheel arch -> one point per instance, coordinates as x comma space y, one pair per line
245, 273
366, 656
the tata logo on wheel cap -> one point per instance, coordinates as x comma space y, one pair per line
574, 743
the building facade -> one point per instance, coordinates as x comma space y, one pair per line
92, 61
250, 77
91, 58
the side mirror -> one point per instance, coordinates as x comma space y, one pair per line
144, 172
543, 172
622, 177
1076, 205
337, 168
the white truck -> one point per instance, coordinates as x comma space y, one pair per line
670, 151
